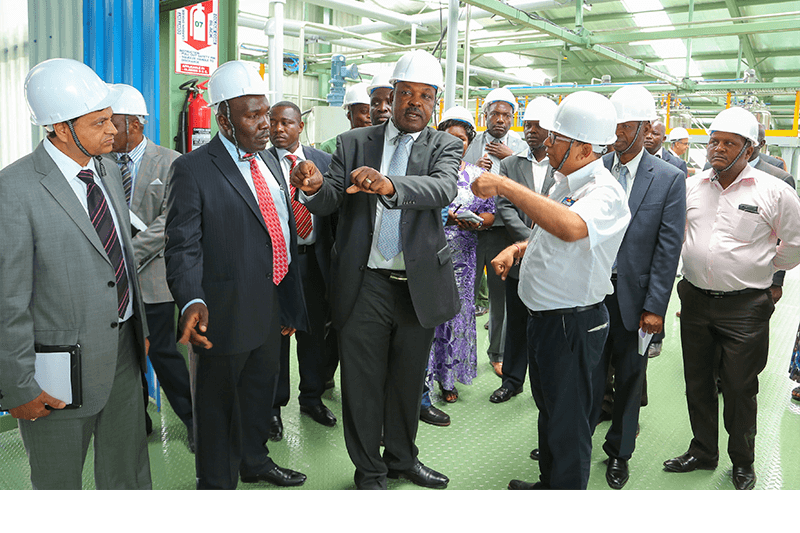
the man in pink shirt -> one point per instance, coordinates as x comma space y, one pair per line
734, 216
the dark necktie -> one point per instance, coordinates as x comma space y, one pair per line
302, 217
103, 223
280, 262
127, 180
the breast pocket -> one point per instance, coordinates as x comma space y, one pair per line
745, 227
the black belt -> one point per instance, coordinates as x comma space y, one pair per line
393, 275
305, 248
725, 294
565, 311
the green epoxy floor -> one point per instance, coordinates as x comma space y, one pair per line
489, 444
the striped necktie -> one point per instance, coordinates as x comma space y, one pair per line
280, 262
104, 226
389, 241
127, 179
302, 218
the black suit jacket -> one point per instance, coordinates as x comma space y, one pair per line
517, 223
218, 249
429, 185
324, 241
667, 156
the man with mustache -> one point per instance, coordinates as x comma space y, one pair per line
734, 216
393, 277
69, 280
232, 267
487, 150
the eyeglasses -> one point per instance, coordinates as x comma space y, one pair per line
555, 137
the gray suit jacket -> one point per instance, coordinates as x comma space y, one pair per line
478, 147
518, 224
648, 256
149, 203
667, 156
430, 185
56, 282
774, 161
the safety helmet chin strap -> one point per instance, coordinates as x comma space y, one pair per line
98, 159
638, 130
566, 156
717, 173
233, 134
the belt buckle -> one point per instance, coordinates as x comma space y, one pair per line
397, 277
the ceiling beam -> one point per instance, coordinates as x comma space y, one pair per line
747, 45
698, 31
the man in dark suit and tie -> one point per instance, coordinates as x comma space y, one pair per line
67, 278
532, 169
315, 239
643, 273
654, 144
145, 167
231, 266
391, 269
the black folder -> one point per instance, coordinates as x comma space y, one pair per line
58, 371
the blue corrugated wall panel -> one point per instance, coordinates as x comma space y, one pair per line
121, 44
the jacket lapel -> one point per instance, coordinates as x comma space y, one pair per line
373, 154
144, 174
642, 181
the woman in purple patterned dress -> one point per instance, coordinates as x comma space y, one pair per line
454, 353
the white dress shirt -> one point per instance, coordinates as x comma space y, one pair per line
633, 167
70, 168
286, 167
540, 170
556, 274
727, 246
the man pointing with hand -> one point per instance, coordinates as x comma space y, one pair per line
391, 270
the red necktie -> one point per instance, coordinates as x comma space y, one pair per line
280, 264
302, 218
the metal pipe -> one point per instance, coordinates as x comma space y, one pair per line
274, 30
467, 57
300, 68
362, 10
689, 40
452, 55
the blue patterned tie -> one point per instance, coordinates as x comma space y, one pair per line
623, 178
389, 238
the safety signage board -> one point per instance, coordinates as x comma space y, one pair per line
197, 38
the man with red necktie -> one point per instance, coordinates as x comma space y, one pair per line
231, 249
314, 242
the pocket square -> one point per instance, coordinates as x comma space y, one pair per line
156, 181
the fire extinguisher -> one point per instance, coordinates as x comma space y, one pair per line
194, 120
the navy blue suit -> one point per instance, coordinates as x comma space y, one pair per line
668, 156
646, 264
218, 249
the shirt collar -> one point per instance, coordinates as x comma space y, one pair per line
633, 164
298, 152
754, 162
748, 173
68, 166
229, 146
580, 177
530, 157
136, 153
392, 132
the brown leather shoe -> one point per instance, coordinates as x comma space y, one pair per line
497, 366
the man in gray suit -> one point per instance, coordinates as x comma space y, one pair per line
531, 168
67, 279
391, 269
643, 272
145, 178
487, 150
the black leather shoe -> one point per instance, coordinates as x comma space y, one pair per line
516, 484
434, 416
421, 475
744, 477
688, 463
282, 477
503, 395
320, 414
535, 454
275, 429
617, 472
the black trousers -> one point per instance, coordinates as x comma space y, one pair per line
728, 337
313, 351
563, 352
232, 393
515, 353
622, 351
384, 351
167, 361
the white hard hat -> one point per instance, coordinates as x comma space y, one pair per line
678, 133
129, 100
634, 103
418, 66
62, 89
587, 117
378, 81
459, 113
540, 108
736, 120
356, 94
500, 95
234, 79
